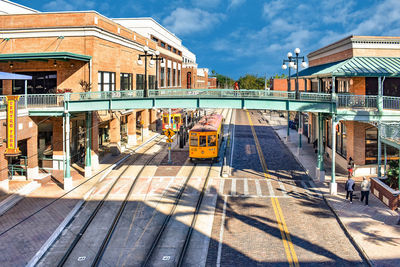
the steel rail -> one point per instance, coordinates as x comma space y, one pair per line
114, 224
94, 213
194, 220
160, 232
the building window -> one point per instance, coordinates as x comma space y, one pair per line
106, 81
139, 82
154, 39
174, 50
179, 77
343, 86
169, 77
174, 77
126, 81
43, 82
163, 44
179, 53
152, 82
169, 48
162, 77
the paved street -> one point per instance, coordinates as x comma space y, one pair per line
270, 214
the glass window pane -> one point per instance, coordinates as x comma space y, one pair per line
212, 140
193, 139
203, 141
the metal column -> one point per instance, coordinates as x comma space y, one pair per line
88, 154
333, 185
300, 130
288, 128
320, 162
26, 94
67, 172
384, 151
379, 153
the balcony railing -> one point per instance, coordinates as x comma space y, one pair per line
390, 102
357, 101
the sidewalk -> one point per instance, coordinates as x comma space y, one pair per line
26, 227
373, 228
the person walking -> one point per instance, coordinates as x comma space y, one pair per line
349, 187
350, 167
365, 187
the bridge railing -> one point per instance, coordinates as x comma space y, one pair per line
357, 101
101, 95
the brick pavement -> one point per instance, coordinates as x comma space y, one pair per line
374, 228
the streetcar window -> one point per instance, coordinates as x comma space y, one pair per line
176, 118
203, 140
165, 119
193, 140
212, 140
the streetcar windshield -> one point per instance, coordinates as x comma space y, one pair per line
176, 119
212, 140
165, 119
203, 140
193, 139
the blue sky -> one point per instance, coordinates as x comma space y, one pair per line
235, 37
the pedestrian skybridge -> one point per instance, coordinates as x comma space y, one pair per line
345, 106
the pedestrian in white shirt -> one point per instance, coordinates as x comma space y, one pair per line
365, 187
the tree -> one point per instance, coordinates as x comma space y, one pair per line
393, 174
250, 81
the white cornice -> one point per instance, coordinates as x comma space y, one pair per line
70, 32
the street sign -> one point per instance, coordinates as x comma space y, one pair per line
169, 133
169, 140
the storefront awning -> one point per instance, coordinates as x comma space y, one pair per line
13, 76
44, 56
356, 67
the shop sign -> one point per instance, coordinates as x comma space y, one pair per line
12, 140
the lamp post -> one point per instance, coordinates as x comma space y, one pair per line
157, 58
140, 62
293, 62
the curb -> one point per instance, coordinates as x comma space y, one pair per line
68, 219
342, 225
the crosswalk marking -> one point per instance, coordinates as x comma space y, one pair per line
233, 187
258, 188
282, 188
270, 189
245, 187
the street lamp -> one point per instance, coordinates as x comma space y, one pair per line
294, 63
157, 58
140, 62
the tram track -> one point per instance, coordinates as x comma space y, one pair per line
157, 240
93, 215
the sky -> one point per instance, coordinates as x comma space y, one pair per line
239, 37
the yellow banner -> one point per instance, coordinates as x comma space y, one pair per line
12, 140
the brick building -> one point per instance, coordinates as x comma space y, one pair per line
355, 65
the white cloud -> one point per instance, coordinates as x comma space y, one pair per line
71, 5
185, 21
235, 3
384, 19
272, 8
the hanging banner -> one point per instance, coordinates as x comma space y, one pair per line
12, 140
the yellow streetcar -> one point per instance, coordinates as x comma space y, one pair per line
205, 138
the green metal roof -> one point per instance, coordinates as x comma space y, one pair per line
356, 66
44, 56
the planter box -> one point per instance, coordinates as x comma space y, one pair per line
387, 195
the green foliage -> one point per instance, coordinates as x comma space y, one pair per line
250, 81
224, 81
393, 174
